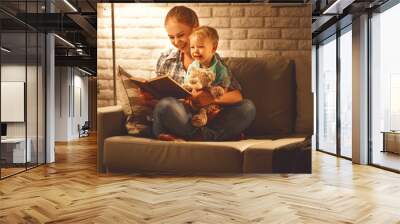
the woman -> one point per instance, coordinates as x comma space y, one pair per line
170, 117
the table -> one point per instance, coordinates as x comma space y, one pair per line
391, 141
13, 150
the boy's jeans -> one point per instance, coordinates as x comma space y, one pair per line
171, 117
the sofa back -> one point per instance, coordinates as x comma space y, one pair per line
281, 91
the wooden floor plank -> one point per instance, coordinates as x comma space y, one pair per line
71, 191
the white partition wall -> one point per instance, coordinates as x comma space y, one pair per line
71, 102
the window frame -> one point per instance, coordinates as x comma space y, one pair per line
333, 37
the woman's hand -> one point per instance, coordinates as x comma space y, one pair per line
230, 98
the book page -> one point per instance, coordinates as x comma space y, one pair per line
166, 86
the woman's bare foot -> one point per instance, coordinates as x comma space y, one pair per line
169, 137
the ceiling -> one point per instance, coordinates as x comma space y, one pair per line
73, 20
332, 15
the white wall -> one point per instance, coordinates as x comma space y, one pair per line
81, 82
61, 103
70, 83
245, 30
79, 112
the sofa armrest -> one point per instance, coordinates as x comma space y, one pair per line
110, 122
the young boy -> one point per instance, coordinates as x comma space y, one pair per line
203, 46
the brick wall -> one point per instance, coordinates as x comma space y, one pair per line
245, 30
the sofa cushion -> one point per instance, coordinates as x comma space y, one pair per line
285, 155
138, 115
304, 104
270, 84
136, 154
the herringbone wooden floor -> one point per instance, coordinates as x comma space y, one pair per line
70, 191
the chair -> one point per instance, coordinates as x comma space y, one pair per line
84, 130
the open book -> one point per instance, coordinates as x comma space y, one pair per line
159, 87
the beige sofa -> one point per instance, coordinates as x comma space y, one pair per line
278, 141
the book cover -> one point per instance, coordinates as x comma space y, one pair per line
160, 87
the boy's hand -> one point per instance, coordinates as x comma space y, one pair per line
187, 102
202, 98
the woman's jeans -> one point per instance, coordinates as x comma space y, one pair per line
171, 117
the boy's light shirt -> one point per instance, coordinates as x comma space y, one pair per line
170, 63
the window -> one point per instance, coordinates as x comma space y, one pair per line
327, 96
385, 84
334, 137
346, 93
394, 112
